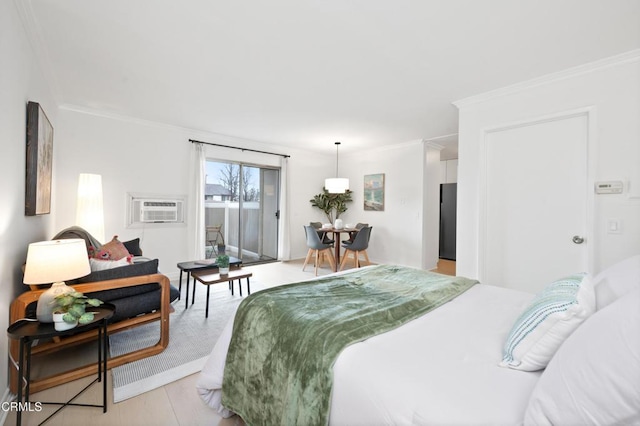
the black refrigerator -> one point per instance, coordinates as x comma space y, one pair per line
448, 197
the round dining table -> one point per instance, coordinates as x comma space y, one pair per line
336, 236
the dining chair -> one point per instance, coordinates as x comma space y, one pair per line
352, 234
322, 233
317, 249
359, 245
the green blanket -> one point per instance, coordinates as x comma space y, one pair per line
279, 368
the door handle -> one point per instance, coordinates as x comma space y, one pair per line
577, 239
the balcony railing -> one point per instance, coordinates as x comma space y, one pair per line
225, 213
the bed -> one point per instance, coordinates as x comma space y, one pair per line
458, 364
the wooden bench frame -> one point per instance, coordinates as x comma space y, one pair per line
18, 311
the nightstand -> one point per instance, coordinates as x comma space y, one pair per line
28, 331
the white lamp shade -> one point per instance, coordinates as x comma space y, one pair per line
336, 185
56, 261
89, 210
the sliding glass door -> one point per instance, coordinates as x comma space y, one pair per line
270, 212
242, 201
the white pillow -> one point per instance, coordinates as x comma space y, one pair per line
101, 265
594, 378
548, 320
616, 281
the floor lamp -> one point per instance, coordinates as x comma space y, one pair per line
89, 212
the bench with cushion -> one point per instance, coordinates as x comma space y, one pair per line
140, 294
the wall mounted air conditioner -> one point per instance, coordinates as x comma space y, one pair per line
159, 211
155, 210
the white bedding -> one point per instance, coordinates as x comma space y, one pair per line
441, 368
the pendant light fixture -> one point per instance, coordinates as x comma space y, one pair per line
336, 185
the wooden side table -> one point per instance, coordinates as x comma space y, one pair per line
208, 278
27, 331
194, 265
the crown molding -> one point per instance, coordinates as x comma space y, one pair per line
194, 133
221, 138
433, 142
437, 138
627, 57
433, 145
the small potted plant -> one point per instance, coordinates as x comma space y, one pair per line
70, 310
223, 264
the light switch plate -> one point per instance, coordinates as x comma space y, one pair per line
614, 226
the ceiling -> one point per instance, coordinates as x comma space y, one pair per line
308, 73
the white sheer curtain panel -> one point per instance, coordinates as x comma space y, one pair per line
197, 195
284, 244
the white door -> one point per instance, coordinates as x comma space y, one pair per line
536, 203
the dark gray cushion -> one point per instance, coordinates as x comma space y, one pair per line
130, 301
133, 247
129, 307
137, 269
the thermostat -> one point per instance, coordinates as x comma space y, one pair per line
610, 187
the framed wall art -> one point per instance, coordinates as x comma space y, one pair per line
39, 161
374, 192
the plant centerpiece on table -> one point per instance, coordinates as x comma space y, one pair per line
223, 264
70, 310
330, 203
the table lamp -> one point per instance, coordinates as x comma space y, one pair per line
55, 262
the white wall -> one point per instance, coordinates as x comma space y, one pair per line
151, 158
612, 88
397, 231
20, 81
431, 206
144, 157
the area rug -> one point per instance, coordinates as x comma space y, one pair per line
191, 339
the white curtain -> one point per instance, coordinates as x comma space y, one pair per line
197, 197
284, 243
